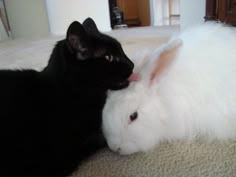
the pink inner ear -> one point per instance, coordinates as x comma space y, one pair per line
134, 77
165, 59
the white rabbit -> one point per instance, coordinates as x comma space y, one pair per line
186, 91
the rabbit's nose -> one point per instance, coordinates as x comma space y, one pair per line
118, 150
114, 146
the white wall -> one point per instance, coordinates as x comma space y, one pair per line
27, 18
160, 11
62, 12
175, 7
3, 32
192, 12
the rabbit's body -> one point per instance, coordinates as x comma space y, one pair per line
195, 96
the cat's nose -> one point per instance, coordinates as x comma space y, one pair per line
128, 62
131, 65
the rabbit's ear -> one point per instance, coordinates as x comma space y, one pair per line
166, 57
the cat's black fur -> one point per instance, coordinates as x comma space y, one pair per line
50, 120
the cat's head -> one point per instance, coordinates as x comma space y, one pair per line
100, 56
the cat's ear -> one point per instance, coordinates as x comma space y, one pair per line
90, 26
76, 35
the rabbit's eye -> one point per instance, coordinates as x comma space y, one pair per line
133, 116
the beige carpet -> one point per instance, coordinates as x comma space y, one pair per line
168, 160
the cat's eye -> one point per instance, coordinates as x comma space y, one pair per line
109, 58
133, 116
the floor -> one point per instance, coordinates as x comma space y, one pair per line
34, 53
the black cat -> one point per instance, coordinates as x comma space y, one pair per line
51, 120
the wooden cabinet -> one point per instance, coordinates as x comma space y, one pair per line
221, 10
136, 12
227, 11
130, 10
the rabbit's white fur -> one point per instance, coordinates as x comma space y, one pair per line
195, 96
